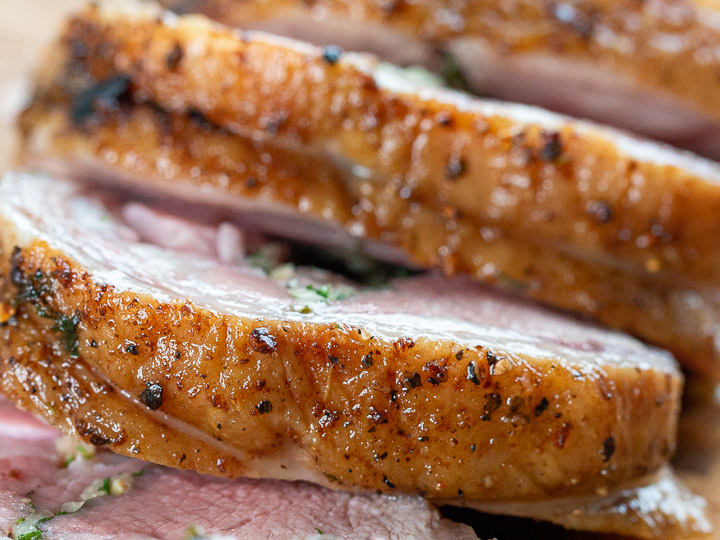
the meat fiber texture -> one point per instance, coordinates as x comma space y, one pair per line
164, 503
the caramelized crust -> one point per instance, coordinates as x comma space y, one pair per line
152, 374
662, 45
561, 241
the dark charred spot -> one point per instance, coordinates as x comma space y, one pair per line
332, 53
251, 182
367, 360
93, 344
333, 359
423, 438
437, 373
152, 396
492, 404
473, 447
491, 359
460, 493
541, 407
388, 483
552, 146
103, 96
173, 58
459, 355
381, 456
472, 373
95, 436
264, 407
455, 167
262, 341
132, 348
411, 381
608, 448
600, 211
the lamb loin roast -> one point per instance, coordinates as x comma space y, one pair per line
333, 148
649, 67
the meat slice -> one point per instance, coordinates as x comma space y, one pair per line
426, 385
162, 503
582, 218
649, 67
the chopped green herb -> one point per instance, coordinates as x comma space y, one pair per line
324, 294
68, 327
319, 531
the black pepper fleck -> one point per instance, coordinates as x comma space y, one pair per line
412, 381
388, 483
264, 407
541, 407
172, 60
367, 360
608, 448
332, 53
552, 146
472, 373
132, 349
600, 211
455, 168
262, 341
152, 396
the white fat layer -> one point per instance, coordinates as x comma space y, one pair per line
457, 311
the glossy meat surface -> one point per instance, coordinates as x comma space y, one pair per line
431, 385
161, 503
649, 67
582, 218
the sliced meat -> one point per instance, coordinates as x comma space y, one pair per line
649, 67
582, 218
430, 385
156, 502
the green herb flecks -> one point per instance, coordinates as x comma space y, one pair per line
309, 295
67, 326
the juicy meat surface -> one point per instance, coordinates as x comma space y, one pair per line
162, 503
430, 385
586, 219
649, 67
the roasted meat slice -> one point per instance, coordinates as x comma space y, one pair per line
44, 473
649, 67
427, 384
582, 218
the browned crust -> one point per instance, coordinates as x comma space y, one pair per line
537, 26
582, 192
136, 144
328, 399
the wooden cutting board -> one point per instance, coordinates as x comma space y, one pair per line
26, 26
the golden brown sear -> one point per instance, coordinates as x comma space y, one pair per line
427, 386
578, 217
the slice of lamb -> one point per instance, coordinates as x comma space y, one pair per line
156, 502
648, 67
582, 218
431, 385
